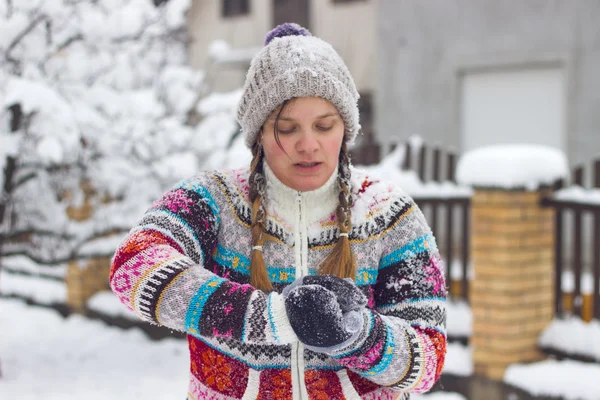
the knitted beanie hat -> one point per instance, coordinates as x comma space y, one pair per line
294, 63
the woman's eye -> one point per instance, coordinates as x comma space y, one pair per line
284, 131
324, 128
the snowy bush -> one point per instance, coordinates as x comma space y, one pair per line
96, 93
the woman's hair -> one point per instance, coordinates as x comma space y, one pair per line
259, 278
340, 261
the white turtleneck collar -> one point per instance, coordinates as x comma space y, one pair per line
282, 200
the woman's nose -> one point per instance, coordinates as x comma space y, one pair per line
307, 142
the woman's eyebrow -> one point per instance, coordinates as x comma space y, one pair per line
282, 118
331, 114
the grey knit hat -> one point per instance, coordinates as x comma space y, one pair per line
294, 63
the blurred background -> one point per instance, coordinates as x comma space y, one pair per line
106, 104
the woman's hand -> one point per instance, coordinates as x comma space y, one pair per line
324, 310
349, 296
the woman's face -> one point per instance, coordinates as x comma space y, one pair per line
311, 132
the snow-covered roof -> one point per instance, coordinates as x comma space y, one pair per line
512, 166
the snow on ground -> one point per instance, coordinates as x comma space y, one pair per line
458, 360
565, 379
511, 166
438, 396
78, 358
569, 379
47, 357
107, 303
582, 338
460, 319
44, 291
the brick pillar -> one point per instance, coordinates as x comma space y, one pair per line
86, 279
512, 294
75, 286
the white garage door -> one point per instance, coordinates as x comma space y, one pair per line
521, 106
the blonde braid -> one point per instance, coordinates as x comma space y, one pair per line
341, 262
259, 278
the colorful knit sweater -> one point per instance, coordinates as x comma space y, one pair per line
186, 266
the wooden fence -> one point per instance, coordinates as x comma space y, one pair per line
448, 216
570, 234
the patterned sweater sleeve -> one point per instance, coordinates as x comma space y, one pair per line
159, 273
403, 341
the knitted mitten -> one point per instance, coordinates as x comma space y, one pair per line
349, 296
317, 317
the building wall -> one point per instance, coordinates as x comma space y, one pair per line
349, 27
425, 46
206, 24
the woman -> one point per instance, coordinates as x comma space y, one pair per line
251, 263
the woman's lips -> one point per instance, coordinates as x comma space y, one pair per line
308, 166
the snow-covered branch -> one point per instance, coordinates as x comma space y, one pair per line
94, 121
15, 235
17, 39
50, 261
66, 43
24, 179
9, 9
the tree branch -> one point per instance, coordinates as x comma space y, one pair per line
65, 44
137, 36
21, 35
25, 250
65, 236
69, 41
51, 168
53, 261
32, 231
36, 259
25, 179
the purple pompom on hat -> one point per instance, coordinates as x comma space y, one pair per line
287, 29
294, 63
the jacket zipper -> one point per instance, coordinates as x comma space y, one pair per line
300, 391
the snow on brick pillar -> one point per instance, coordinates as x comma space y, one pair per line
512, 291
